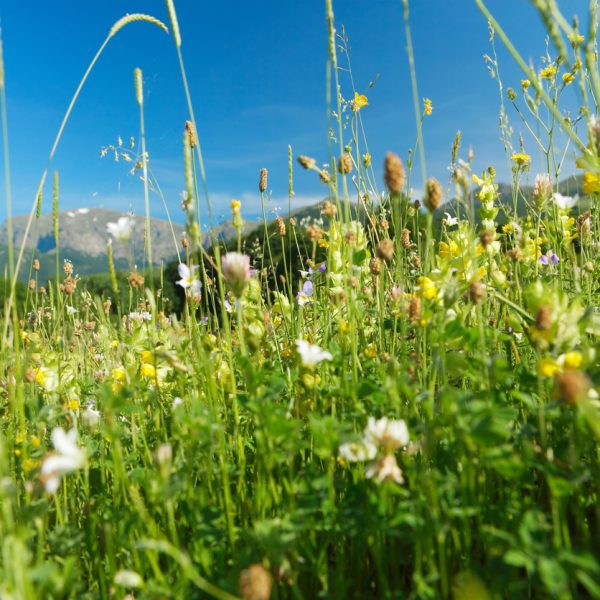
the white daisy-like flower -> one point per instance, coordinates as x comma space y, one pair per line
68, 458
188, 280
389, 433
122, 229
311, 354
449, 220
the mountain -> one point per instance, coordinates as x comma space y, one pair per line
83, 240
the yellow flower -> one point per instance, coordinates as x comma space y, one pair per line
508, 228
73, 404
323, 244
29, 464
370, 351
591, 185
548, 367
118, 374
344, 327
148, 371
147, 357
572, 360
449, 250
360, 101
520, 158
548, 72
35, 441
367, 160
427, 106
525, 83
19, 438
427, 288
568, 78
114, 344
576, 40
236, 205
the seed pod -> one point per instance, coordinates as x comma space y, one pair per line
476, 292
486, 238
571, 386
543, 319
406, 238
375, 265
433, 194
191, 132
393, 173
280, 226
414, 309
329, 210
262, 181
385, 249
345, 164
307, 162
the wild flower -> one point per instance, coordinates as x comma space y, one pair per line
236, 271
449, 220
305, 294
188, 280
389, 433
68, 458
521, 159
122, 229
549, 258
311, 354
359, 101
564, 202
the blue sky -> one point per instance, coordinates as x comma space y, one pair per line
257, 77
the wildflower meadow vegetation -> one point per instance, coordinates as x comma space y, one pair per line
394, 398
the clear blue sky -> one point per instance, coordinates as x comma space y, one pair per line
257, 76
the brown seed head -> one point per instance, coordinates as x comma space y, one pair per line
69, 285
307, 162
184, 241
68, 267
571, 386
393, 173
329, 210
262, 181
191, 133
314, 233
486, 238
384, 224
416, 261
280, 226
385, 249
324, 176
515, 254
32, 284
476, 292
406, 238
36, 265
375, 265
414, 309
433, 194
345, 164
135, 280
543, 319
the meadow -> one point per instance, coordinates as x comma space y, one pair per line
393, 398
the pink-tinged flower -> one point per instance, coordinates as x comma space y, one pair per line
311, 354
358, 451
385, 469
236, 271
304, 295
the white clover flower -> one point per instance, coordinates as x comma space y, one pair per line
71, 310
390, 434
122, 229
358, 451
236, 271
565, 202
311, 354
385, 469
69, 457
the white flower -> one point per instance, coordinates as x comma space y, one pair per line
71, 310
311, 354
187, 278
140, 316
385, 469
128, 579
177, 401
565, 202
386, 432
450, 221
91, 417
358, 451
121, 230
69, 457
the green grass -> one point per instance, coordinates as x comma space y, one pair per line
424, 423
